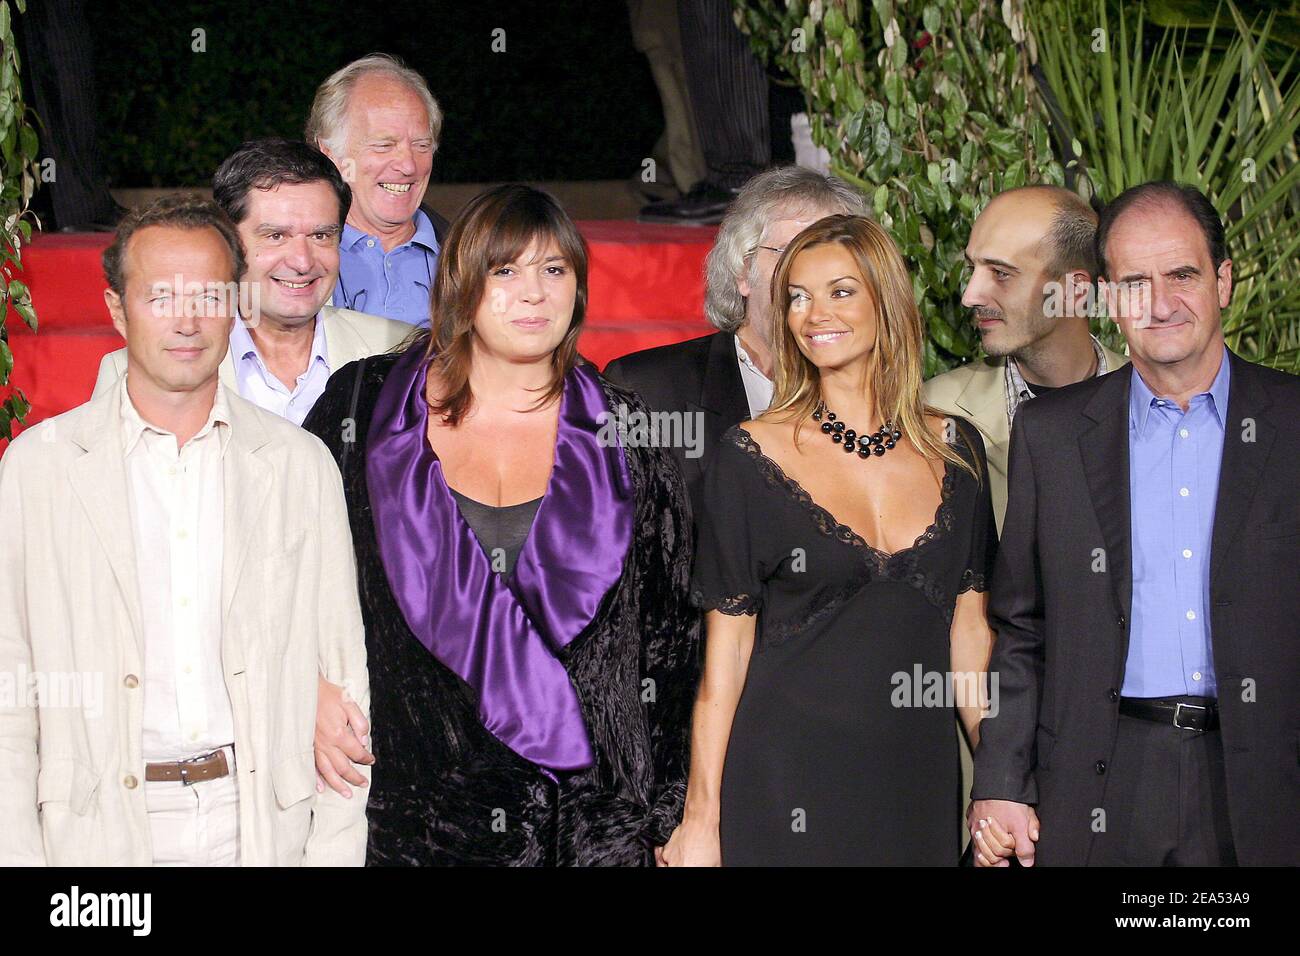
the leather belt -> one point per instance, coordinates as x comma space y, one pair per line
1200, 715
193, 770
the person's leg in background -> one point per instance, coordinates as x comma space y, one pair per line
729, 100
655, 33
60, 60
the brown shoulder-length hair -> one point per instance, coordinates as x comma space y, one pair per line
897, 362
495, 228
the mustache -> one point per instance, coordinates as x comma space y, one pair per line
979, 313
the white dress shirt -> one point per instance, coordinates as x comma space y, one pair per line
177, 516
758, 387
263, 389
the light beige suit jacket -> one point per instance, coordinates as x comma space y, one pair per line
978, 391
71, 767
349, 335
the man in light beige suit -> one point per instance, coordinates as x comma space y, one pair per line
177, 568
1032, 265
288, 202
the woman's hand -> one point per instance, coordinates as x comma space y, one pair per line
695, 842
341, 739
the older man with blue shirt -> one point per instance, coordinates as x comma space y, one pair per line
376, 119
287, 202
1146, 599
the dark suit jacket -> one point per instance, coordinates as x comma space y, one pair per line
700, 376
1062, 629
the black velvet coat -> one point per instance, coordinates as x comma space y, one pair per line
445, 791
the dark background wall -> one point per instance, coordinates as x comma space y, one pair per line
571, 98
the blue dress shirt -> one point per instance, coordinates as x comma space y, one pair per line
393, 284
257, 384
1174, 459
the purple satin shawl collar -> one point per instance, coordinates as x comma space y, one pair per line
502, 635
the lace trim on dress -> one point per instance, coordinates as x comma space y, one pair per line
972, 581
733, 605
903, 565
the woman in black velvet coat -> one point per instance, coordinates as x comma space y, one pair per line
445, 789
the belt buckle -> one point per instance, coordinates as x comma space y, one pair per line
185, 779
1178, 710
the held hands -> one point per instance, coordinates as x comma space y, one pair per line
695, 842
342, 739
1000, 828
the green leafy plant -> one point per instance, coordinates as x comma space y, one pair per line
18, 146
1199, 108
930, 110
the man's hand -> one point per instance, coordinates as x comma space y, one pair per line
342, 739
1000, 828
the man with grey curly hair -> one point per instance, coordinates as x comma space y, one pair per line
378, 122
726, 377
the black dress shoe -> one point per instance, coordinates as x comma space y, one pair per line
704, 205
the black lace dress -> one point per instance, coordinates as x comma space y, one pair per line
843, 749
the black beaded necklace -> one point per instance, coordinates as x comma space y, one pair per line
865, 445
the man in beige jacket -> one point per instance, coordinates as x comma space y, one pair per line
176, 569
1032, 267
288, 202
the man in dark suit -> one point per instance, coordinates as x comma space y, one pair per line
1146, 598
726, 377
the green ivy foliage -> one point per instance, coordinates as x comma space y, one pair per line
929, 109
18, 173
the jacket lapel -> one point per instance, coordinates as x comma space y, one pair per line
98, 479
984, 400
722, 393
1104, 449
248, 480
1247, 439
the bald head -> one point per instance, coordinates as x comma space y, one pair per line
1065, 224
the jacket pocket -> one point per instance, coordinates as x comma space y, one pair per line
66, 780
293, 779
1279, 529
1044, 742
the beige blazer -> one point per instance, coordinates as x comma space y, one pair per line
978, 391
71, 768
349, 336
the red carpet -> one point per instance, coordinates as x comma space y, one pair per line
646, 288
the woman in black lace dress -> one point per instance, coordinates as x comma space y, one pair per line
845, 542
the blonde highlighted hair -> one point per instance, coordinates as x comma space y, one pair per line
897, 361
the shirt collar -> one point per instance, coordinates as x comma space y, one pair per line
1141, 398
134, 426
242, 346
424, 234
746, 360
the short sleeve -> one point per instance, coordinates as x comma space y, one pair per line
977, 572
727, 576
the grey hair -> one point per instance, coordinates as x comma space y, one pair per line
785, 189
329, 107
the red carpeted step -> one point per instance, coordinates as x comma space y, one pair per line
645, 288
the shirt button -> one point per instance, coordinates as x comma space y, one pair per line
1183, 432
1184, 492
171, 472
184, 602
131, 681
189, 669
1191, 615
1196, 676
130, 782
388, 265
1187, 552
194, 735
370, 243
182, 534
